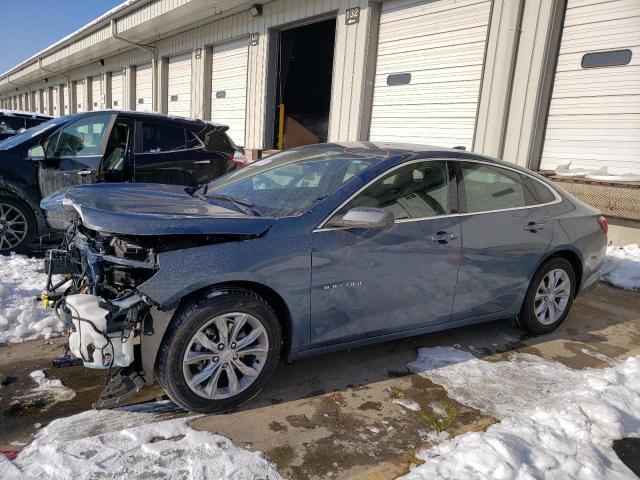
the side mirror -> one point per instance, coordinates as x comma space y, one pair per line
363, 217
37, 153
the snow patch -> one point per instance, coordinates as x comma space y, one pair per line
407, 403
621, 267
50, 388
134, 447
556, 422
21, 316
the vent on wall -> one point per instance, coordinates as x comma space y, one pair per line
611, 58
174, 98
141, 100
399, 79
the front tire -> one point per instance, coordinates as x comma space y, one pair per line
549, 297
17, 225
219, 352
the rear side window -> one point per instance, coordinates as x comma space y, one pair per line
160, 137
489, 188
216, 141
542, 193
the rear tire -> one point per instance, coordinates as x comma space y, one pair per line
549, 297
17, 225
204, 368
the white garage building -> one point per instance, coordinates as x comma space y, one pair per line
541, 83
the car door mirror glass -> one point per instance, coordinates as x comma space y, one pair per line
363, 217
37, 153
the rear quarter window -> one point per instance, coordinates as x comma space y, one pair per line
216, 141
162, 137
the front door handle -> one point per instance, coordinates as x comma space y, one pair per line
202, 162
534, 227
84, 173
443, 237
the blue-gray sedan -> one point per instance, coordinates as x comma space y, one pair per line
311, 250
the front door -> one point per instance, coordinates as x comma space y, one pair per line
367, 283
506, 231
74, 153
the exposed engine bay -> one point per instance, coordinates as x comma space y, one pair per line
98, 301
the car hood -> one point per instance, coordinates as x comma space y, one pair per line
150, 209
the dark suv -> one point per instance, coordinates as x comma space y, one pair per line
11, 122
102, 146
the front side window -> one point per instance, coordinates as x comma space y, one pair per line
488, 188
417, 190
82, 138
160, 137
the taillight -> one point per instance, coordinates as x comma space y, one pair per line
603, 223
238, 158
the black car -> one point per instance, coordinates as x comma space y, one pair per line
102, 146
11, 122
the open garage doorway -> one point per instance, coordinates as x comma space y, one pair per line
303, 84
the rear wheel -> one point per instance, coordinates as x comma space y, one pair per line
17, 225
219, 352
549, 297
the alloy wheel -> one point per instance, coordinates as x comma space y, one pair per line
13, 226
552, 296
225, 356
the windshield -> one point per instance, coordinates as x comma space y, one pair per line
288, 183
30, 133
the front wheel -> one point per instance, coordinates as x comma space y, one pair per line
219, 352
17, 225
549, 297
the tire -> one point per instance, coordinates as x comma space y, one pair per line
534, 317
17, 225
218, 363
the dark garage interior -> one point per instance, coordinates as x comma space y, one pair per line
303, 83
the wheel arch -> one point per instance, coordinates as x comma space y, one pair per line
573, 257
151, 344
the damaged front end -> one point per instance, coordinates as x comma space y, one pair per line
100, 305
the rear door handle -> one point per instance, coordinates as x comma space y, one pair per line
202, 162
84, 173
443, 237
534, 226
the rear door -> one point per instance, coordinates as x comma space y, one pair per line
169, 153
74, 153
506, 230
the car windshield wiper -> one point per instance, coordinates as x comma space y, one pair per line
243, 205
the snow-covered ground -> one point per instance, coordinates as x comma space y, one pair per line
132, 445
622, 267
556, 422
53, 389
21, 317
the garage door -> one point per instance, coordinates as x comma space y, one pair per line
429, 70
144, 88
80, 96
97, 94
229, 87
179, 86
117, 90
64, 108
55, 100
37, 101
594, 116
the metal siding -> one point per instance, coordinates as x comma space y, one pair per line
55, 101
229, 75
179, 85
144, 88
117, 90
442, 45
594, 116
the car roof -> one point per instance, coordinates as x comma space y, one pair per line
408, 150
22, 114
